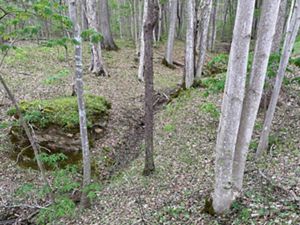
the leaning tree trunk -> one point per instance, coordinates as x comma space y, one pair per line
279, 27
142, 45
97, 62
81, 106
266, 30
189, 69
205, 10
232, 106
151, 18
291, 34
168, 60
108, 41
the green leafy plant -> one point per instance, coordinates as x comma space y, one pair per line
218, 64
214, 85
57, 78
169, 128
210, 109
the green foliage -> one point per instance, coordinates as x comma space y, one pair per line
52, 159
21, 21
91, 190
273, 65
57, 78
62, 112
4, 125
214, 85
169, 128
64, 183
210, 109
92, 35
62, 207
218, 64
296, 61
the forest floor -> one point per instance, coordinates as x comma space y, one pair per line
185, 135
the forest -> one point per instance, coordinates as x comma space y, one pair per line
145, 112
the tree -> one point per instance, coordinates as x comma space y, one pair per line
291, 34
189, 69
279, 27
254, 90
108, 41
84, 21
232, 106
97, 62
152, 15
205, 12
168, 59
213, 28
142, 45
81, 105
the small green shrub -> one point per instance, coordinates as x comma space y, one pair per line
214, 85
62, 207
210, 109
218, 64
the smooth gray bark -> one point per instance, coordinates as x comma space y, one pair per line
81, 106
266, 30
142, 45
279, 27
171, 35
232, 106
213, 29
108, 41
291, 34
189, 68
97, 62
205, 11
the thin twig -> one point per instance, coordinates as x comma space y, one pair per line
21, 152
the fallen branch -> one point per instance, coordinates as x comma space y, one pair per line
21, 152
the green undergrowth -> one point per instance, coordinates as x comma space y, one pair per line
62, 112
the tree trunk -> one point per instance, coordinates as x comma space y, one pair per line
84, 21
81, 106
97, 63
232, 106
205, 10
168, 60
160, 18
213, 28
108, 41
189, 69
151, 18
291, 34
279, 27
226, 9
180, 17
142, 46
266, 30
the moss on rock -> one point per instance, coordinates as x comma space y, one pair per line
62, 112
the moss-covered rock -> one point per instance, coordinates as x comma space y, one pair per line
56, 125
62, 112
